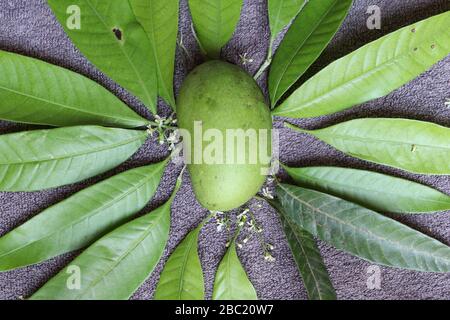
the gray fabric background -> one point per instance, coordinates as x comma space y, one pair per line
28, 27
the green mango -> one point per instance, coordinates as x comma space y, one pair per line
226, 127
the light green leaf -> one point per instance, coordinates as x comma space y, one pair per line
307, 257
115, 266
305, 40
79, 220
182, 276
113, 40
35, 92
281, 13
215, 22
160, 21
372, 71
231, 282
41, 159
416, 146
362, 232
373, 190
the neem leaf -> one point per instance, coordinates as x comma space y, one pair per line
159, 19
41, 159
281, 13
215, 22
182, 276
35, 92
110, 36
115, 266
307, 257
362, 232
79, 220
307, 37
231, 282
371, 189
372, 71
416, 146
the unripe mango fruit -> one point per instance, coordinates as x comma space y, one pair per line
219, 100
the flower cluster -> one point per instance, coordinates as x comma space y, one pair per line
166, 131
245, 222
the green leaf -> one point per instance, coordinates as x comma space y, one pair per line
115, 266
362, 232
215, 22
373, 190
307, 257
81, 219
182, 276
35, 92
416, 146
231, 282
372, 71
309, 261
160, 21
281, 13
41, 159
305, 40
113, 40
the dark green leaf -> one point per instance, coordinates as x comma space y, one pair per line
182, 277
41, 159
231, 281
416, 146
160, 20
372, 71
305, 40
307, 257
215, 22
113, 40
309, 261
35, 92
363, 232
373, 190
79, 220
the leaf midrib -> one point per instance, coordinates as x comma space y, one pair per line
66, 106
228, 275
77, 154
160, 81
375, 141
274, 33
184, 264
332, 182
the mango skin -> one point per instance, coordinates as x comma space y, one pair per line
222, 96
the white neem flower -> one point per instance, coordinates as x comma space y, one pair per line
268, 257
266, 193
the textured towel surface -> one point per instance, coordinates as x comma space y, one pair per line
28, 27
